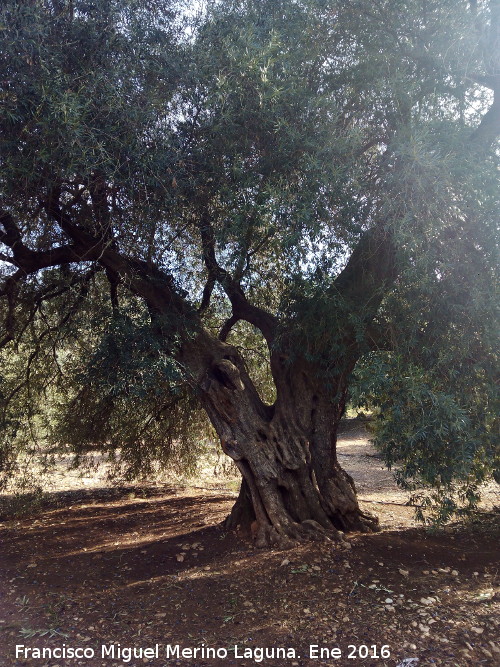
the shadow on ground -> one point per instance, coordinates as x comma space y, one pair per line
144, 568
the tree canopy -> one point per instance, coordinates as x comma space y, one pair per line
238, 217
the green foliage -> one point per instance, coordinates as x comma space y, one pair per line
437, 408
319, 326
130, 399
86, 96
130, 359
96, 382
435, 384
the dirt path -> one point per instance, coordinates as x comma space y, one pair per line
132, 568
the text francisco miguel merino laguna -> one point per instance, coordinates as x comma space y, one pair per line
257, 654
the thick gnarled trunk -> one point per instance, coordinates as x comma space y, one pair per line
293, 487
283, 503
285, 498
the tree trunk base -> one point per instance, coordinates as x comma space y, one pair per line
243, 521
242, 515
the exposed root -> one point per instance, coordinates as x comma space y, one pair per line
367, 522
285, 531
267, 536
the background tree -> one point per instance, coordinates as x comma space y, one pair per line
317, 176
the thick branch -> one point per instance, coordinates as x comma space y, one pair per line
488, 129
242, 308
370, 272
31, 261
207, 294
227, 326
11, 236
149, 282
9, 289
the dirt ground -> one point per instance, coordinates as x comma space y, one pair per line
135, 568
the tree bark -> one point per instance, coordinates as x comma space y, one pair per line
293, 487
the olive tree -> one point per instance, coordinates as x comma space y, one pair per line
315, 178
